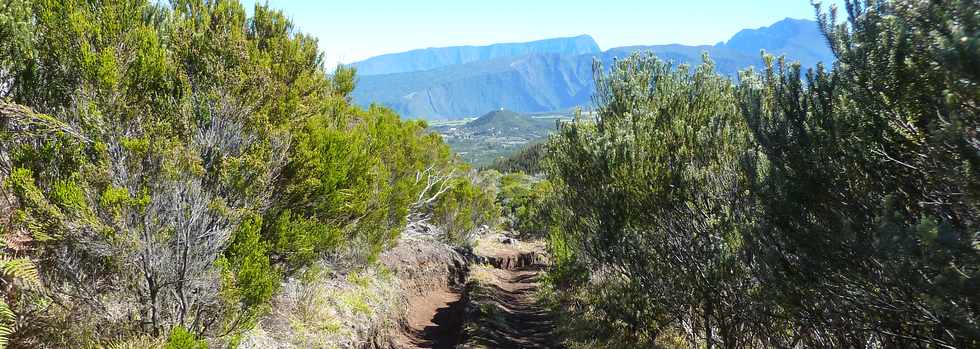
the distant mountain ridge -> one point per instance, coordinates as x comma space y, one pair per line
431, 58
527, 84
793, 37
557, 81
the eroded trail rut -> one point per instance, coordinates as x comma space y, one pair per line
435, 320
505, 313
497, 307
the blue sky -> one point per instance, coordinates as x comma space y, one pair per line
349, 31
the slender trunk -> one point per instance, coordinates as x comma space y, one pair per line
708, 340
152, 292
182, 277
154, 316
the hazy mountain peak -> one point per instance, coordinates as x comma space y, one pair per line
799, 38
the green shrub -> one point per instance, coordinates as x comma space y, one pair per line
651, 190
827, 208
255, 276
181, 338
528, 205
184, 153
463, 209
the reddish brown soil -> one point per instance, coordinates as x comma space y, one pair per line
497, 311
434, 279
434, 321
505, 313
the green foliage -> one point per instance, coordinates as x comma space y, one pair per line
20, 269
69, 195
528, 204
649, 186
141, 342
464, 209
36, 214
820, 209
867, 168
181, 338
248, 279
247, 255
181, 158
526, 160
24, 273
114, 197
326, 185
298, 241
6, 323
349, 184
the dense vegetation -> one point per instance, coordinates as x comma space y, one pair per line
527, 205
832, 208
526, 160
165, 165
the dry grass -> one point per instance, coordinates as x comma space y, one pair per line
334, 306
483, 273
492, 245
331, 311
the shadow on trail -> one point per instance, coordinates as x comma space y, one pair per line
507, 315
496, 309
446, 329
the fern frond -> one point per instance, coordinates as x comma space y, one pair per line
22, 269
6, 315
5, 330
6, 323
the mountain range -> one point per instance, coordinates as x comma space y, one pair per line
550, 75
431, 58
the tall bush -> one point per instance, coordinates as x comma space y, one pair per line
831, 208
656, 199
166, 164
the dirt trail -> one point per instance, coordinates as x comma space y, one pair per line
505, 313
497, 308
435, 320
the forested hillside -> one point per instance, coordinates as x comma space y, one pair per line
830, 208
495, 135
166, 166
